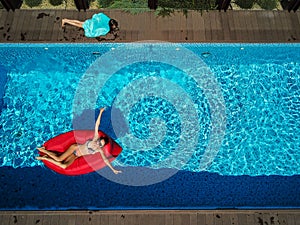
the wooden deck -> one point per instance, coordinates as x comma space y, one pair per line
23, 26
142, 217
212, 26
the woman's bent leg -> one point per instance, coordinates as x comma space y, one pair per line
62, 165
63, 156
44, 158
75, 23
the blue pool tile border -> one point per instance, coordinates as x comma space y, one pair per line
38, 188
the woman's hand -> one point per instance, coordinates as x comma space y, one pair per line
102, 109
117, 171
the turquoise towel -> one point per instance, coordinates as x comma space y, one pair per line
96, 26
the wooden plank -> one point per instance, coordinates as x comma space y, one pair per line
27, 24
209, 218
282, 219
273, 28
46, 219
3, 17
265, 217
176, 27
82, 219
169, 219
262, 35
252, 25
218, 218
140, 26
189, 27
217, 29
297, 218
54, 220
104, 219
17, 219
157, 219
44, 25
161, 33
37, 26
57, 30
251, 219
201, 218
131, 219
65, 219
237, 27
267, 26
213, 26
232, 219
32, 29
132, 28
272, 31
171, 28
34, 219
232, 30
1, 12
279, 29
112, 219
249, 26
21, 27
285, 25
198, 26
184, 31
193, 218
241, 218
13, 25
5, 219
225, 26
291, 219
245, 25
126, 24
298, 16
181, 219
179, 26
295, 26
207, 26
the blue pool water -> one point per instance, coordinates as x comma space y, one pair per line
221, 110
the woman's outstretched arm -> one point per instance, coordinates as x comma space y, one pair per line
97, 124
107, 162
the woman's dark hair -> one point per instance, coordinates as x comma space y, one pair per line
112, 23
105, 139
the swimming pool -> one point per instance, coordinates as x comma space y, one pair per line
225, 110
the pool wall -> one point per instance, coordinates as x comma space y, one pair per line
40, 188
3, 79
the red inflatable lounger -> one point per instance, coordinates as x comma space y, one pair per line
83, 164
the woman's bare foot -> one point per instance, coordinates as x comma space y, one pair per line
42, 149
63, 23
42, 157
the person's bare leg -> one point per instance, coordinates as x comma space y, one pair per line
48, 153
75, 23
70, 160
62, 165
63, 156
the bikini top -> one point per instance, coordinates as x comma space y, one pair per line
90, 150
